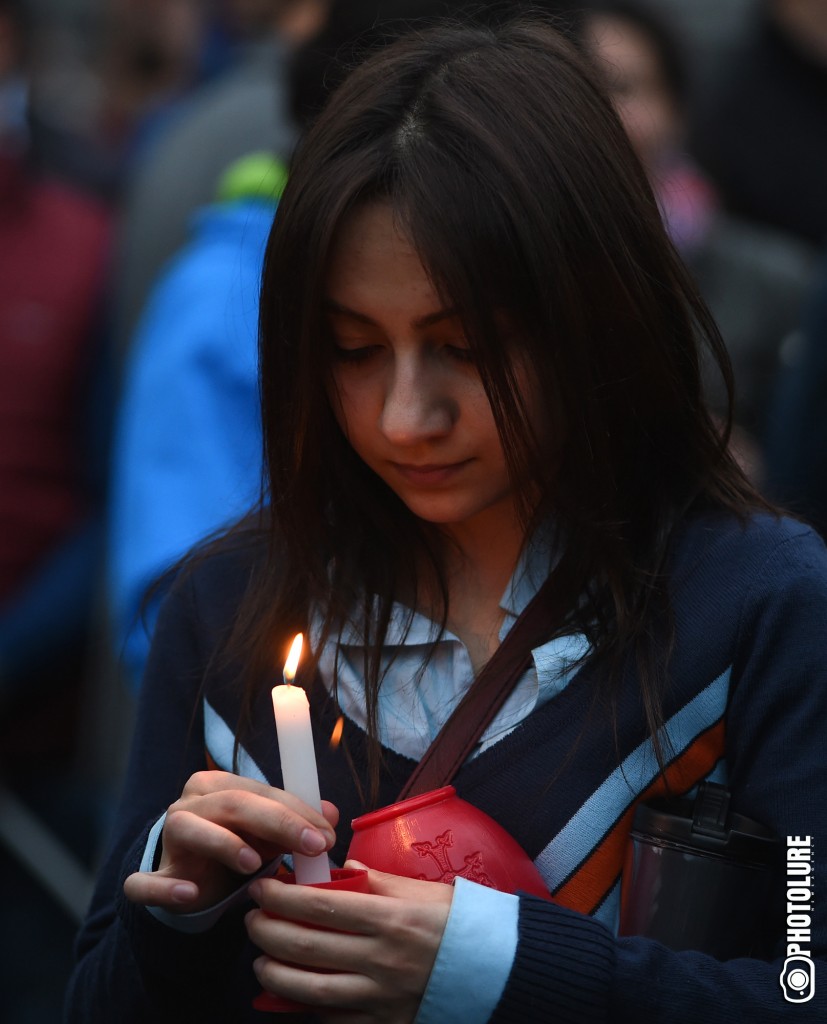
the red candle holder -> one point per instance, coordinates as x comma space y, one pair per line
437, 836
348, 879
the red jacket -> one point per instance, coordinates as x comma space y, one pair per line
53, 245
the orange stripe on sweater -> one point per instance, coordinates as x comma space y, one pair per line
212, 764
597, 874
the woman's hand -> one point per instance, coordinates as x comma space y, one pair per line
224, 825
373, 967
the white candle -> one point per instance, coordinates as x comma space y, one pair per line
298, 759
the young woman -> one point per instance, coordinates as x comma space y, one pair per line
479, 368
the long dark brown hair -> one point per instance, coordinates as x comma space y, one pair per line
509, 170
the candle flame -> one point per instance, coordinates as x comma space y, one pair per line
336, 735
292, 662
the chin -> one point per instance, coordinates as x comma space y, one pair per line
444, 511
438, 516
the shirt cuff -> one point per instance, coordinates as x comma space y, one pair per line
201, 920
474, 958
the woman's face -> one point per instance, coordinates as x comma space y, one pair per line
405, 388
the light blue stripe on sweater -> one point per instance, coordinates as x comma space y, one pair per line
608, 912
219, 741
582, 833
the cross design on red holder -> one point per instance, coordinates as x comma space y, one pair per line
473, 868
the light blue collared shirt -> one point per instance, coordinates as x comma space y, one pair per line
416, 698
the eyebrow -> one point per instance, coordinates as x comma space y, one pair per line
424, 321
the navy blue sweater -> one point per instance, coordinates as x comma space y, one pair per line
746, 702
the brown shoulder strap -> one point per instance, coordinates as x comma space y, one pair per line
486, 695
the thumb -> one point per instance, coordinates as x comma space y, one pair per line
383, 884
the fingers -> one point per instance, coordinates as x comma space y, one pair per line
238, 827
203, 837
387, 971
406, 903
216, 782
223, 826
334, 948
330, 991
382, 884
154, 890
322, 908
307, 947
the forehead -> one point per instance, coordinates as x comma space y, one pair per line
373, 264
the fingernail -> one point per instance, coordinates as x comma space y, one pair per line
248, 859
183, 892
313, 841
254, 892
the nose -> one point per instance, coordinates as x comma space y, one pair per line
417, 405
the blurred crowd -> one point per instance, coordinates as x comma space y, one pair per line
143, 147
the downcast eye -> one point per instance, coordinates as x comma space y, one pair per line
354, 355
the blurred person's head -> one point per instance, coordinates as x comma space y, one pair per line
152, 51
640, 61
641, 64
804, 22
293, 21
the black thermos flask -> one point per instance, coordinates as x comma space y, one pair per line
698, 876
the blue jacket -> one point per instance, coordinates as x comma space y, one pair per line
187, 449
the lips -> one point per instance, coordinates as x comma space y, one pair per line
430, 474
